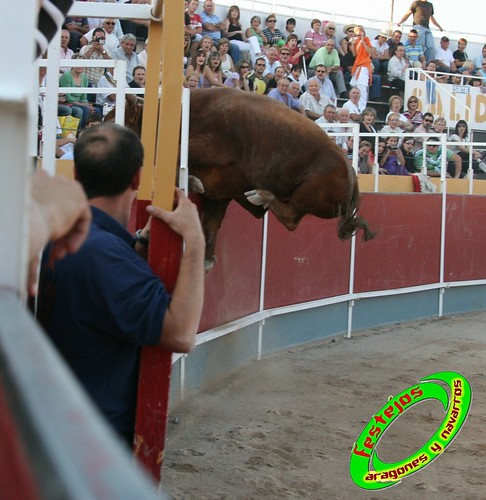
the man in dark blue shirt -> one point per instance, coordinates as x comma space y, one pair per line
104, 302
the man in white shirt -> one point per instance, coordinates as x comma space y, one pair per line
444, 58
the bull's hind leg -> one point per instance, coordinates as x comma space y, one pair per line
213, 214
284, 212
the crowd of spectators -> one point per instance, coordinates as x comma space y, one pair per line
308, 73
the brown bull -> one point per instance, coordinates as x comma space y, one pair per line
256, 151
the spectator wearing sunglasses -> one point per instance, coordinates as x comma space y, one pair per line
112, 41
425, 127
433, 159
239, 79
272, 33
256, 81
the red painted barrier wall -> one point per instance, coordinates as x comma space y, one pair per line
465, 257
233, 285
312, 263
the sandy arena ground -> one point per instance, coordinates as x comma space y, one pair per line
284, 427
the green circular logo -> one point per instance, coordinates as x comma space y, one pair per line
366, 468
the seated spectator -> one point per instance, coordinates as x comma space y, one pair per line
284, 56
211, 23
193, 81
78, 101
392, 124
414, 52
65, 52
297, 54
393, 41
424, 128
327, 88
296, 75
362, 72
185, 57
343, 116
460, 55
431, 69
347, 57
96, 51
440, 125
272, 63
392, 160
290, 25
467, 153
272, 33
272, 83
233, 31
196, 65
329, 57
281, 94
239, 79
111, 43
314, 39
354, 105
193, 24
329, 115
256, 81
479, 60
365, 163
481, 72
406, 148
380, 53
413, 113
126, 52
328, 29
255, 30
212, 74
397, 68
142, 56
433, 160
312, 101
138, 79
444, 57
295, 89
368, 117
396, 102
227, 66
77, 27
107, 98
207, 46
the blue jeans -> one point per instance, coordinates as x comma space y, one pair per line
426, 39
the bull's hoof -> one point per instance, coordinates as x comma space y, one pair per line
209, 263
195, 184
260, 197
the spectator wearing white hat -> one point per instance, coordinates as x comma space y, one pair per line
380, 53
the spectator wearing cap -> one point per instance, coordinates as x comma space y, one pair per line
380, 53
444, 57
347, 57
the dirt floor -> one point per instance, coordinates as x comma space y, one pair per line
284, 427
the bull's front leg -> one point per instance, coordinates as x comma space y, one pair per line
213, 214
284, 212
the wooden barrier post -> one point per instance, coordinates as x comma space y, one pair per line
160, 136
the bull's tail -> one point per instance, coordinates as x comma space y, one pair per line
349, 222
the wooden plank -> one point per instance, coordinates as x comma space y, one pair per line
160, 135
